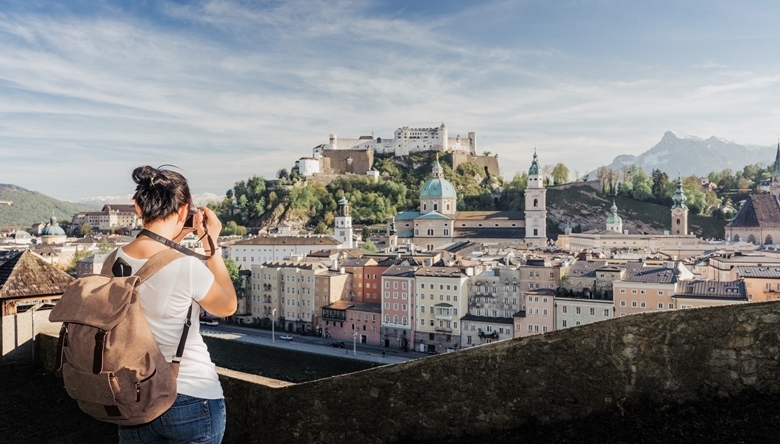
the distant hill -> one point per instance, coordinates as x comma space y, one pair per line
583, 204
690, 155
199, 199
31, 207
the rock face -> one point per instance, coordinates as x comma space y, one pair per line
690, 155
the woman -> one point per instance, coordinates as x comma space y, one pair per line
162, 200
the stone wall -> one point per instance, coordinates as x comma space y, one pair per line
489, 162
657, 358
347, 161
17, 334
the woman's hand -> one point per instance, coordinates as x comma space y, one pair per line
207, 221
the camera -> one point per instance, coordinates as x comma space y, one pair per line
190, 222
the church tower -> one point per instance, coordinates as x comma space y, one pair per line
614, 222
774, 188
343, 231
679, 210
535, 206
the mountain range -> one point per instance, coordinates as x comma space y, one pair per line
21, 208
679, 153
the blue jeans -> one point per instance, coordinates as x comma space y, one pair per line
189, 420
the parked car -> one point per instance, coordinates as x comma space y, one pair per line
209, 320
286, 337
339, 344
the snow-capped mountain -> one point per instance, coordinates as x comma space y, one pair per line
679, 153
199, 199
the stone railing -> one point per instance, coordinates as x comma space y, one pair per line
660, 358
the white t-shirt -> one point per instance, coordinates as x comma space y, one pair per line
165, 299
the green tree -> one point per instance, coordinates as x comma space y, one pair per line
85, 230
560, 174
513, 194
642, 186
104, 246
235, 277
77, 256
370, 246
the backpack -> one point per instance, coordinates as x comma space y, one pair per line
112, 364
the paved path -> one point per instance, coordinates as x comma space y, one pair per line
311, 344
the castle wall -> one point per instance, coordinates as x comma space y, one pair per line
489, 162
338, 161
654, 359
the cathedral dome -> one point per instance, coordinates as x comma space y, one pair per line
438, 186
53, 229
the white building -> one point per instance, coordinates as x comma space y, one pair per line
260, 249
406, 140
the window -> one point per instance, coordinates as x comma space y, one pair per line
622, 290
660, 305
606, 312
422, 308
563, 323
578, 310
633, 304
671, 306
643, 304
564, 309
622, 303
592, 311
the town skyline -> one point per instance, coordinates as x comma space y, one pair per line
226, 90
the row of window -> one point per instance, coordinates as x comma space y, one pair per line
643, 304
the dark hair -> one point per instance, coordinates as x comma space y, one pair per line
159, 192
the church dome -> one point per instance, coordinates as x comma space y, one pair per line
614, 219
438, 186
53, 229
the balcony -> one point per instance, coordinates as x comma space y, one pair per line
488, 335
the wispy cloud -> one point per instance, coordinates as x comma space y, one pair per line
227, 89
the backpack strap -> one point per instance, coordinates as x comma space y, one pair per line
179, 247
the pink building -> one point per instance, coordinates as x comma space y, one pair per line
538, 313
398, 306
347, 321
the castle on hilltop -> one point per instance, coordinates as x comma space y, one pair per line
407, 141
356, 156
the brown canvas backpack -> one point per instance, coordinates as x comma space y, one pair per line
112, 364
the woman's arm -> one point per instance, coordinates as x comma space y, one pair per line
221, 298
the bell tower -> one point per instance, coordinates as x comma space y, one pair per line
679, 210
535, 206
343, 229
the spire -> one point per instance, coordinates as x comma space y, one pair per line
438, 171
777, 161
679, 195
534, 170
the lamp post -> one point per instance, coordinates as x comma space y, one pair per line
273, 322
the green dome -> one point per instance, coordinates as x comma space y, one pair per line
613, 218
53, 229
534, 170
438, 187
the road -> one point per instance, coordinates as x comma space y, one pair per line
311, 344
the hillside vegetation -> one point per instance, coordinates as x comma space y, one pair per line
644, 202
31, 207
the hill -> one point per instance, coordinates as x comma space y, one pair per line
690, 155
583, 204
31, 207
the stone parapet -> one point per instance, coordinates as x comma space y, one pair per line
657, 358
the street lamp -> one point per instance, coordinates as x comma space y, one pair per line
273, 322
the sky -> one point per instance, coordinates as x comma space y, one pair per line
228, 89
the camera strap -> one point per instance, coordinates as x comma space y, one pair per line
179, 247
